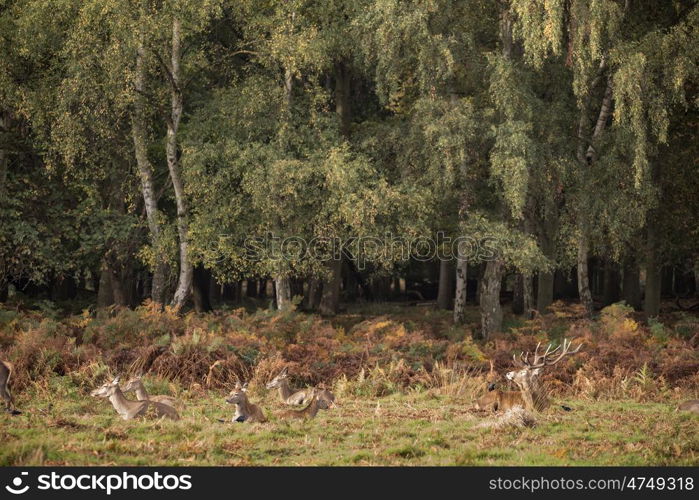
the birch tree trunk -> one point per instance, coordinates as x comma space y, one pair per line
586, 159
544, 292
460, 294
145, 168
282, 285
491, 311
583, 275
184, 283
282, 290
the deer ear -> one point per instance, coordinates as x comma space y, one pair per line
116, 380
245, 387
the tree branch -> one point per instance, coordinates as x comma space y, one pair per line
168, 71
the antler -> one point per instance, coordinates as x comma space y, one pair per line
541, 360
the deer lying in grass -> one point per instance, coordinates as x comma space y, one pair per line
5, 372
531, 395
130, 409
310, 411
490, 399
244, 410
136, 384
303, 396
691, 405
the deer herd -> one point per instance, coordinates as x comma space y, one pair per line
530, 394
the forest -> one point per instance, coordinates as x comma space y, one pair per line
385, 198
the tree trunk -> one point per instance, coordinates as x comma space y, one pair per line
145, 168
350, 283
251, 288
118, 289
518, 295
651, 303
544, 291
105, 294
460, 293
313, 295
342, 96
200, 289
586, 156
523, 299
296, 287
491, 311
583, 275
282, 290
184, 283
4, 129
395, 288
227, 291
330, 301
262, 290
612, 282
445, 294
528, 293
632, 285
214, 291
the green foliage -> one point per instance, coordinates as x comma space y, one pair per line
344, 119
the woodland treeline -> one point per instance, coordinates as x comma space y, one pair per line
143, 142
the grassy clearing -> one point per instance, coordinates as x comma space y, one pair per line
63, 426
405, 378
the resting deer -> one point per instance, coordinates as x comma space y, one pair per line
309, 411
5, 372
531, 395
691, 405
244, 410
489, 400
527, 378
130, 409
290, 397
136, 384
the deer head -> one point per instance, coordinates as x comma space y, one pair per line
527, 377
132, 384
277, 381
238, 394
107, 389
